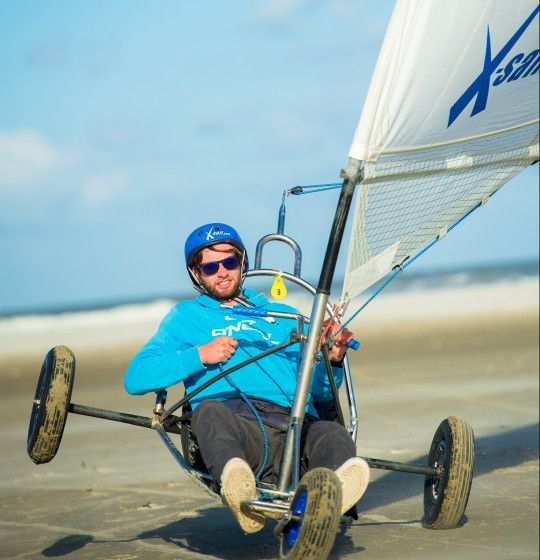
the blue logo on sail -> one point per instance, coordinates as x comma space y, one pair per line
520, 66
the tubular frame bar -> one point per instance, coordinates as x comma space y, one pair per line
226, 372
197, 476
284, 239
124, 417
175, 452
269, 507
305, 374
295, 427
287, 275
404, 467
270, 490
333, 386
353, 411
305, 371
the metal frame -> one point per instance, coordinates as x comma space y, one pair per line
285, 239
279, 496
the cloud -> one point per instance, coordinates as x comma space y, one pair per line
104, 187
278, 10
25, 157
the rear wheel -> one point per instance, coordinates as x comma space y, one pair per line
51, 403
446, 497
315, 508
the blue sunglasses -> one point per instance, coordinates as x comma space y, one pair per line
211, 268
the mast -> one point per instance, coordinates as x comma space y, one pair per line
291, 452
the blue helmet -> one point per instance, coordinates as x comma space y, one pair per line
211, 234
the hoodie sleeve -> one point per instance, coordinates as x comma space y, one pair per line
320, 385
165, 360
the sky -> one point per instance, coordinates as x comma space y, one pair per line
125, 124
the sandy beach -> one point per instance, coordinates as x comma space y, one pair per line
113, 491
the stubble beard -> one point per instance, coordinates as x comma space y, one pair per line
223, 296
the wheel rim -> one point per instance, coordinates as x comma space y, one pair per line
298, 509
439, 461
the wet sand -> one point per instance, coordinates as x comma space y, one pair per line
114, 492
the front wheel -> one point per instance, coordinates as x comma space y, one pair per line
51, 403
446, 497
314, 517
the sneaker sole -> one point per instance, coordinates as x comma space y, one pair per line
238, 484
354, 477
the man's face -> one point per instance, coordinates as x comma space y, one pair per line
224, 284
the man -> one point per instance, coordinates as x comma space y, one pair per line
240, 422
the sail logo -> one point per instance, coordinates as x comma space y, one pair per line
527, 65
520, 66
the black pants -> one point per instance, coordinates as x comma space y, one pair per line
221, 435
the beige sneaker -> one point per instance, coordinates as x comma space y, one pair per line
238, 484
354, 477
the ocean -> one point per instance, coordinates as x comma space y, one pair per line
413, 295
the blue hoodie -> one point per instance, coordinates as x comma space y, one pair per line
172, 355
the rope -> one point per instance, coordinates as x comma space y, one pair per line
265, 437
310, 189
398, 270
245, 398
401, 268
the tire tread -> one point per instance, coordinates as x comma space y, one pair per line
321, 518
54, 393
448, 512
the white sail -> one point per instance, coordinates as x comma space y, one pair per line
452, 114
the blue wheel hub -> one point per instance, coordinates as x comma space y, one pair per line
298, 509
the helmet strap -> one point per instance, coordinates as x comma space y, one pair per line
196, 284
242, 264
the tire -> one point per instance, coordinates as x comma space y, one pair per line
318, 501
446, 497
51, 403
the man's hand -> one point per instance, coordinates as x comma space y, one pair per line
337, 353
218, 350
